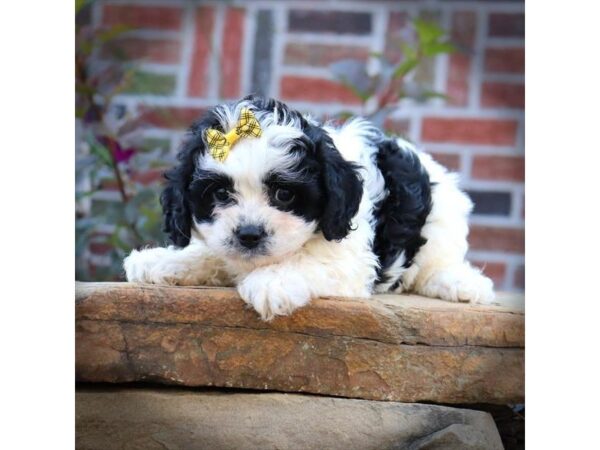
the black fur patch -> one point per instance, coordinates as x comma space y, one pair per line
340, 182
402, 214
308, 198
202, 190
176, 200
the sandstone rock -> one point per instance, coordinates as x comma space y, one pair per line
185, 419
401, 348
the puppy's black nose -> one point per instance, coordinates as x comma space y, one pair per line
250, 235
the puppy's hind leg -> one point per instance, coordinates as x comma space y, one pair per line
440, 271
439, 268
458, 283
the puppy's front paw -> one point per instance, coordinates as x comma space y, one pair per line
460, 284
148, 266
273, 293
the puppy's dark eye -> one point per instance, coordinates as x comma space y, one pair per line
284, 196
221, 195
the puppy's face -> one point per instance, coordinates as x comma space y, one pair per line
270, 195
263, 202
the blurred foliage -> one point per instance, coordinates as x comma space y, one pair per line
115, 210
382, 85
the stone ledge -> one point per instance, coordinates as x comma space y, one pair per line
390, 347
178, 418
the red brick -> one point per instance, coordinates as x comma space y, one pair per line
503, 95
505, 60
464, 28
151, 50
400, 127
97, 243
450, 161
495, 270
154, 17
338, 22
109, 184
511, 240
457, 86
493, 167
231, 53
520, 277
321, 55
469, 131
395, 36
506, 25
199, 74
316, 90
100, 248
147, 177
170, 117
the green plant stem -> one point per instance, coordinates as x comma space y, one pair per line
388, 95
118, 177
122, 191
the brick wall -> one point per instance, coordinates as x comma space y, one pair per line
192, 55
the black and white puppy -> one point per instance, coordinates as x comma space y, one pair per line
308, 210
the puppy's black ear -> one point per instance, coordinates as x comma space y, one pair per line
342, 184
175, 201
177, 219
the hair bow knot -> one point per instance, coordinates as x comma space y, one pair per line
220, 144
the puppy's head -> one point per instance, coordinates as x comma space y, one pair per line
270, 195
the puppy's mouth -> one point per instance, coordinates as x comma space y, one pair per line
251, 253
237, 250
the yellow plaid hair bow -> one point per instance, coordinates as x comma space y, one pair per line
220, 144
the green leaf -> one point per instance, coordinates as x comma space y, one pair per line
99, 150
363, 96
436, 48
79, 4
352, 73
426, 95
150, 223
141, 82
118, 242
344, 115
111, 33
405, 67
408, 51
82, 195
133, 207
427, 31
114, 212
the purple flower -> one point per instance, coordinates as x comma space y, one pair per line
121, 155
